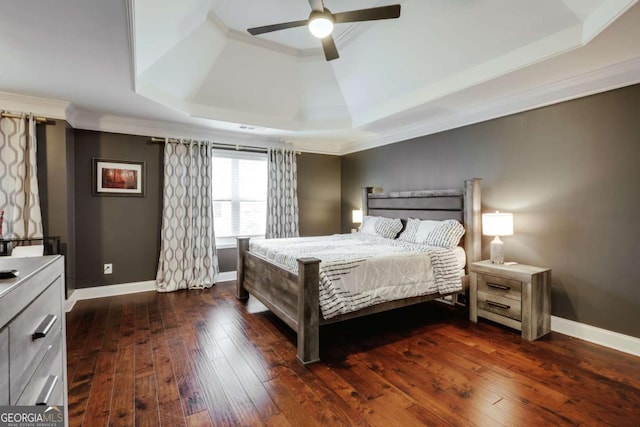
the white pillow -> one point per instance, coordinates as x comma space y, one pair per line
381, 226
368, 225
426, 227
417, 231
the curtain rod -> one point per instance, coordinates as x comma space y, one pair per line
156, 140
39, 119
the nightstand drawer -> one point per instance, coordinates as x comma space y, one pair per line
500, 286
500, 305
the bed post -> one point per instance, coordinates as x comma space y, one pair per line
308, 310
365, 200
243, 247
472, 220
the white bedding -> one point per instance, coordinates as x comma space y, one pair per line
359, 270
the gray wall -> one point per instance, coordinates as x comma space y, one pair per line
124, 231
319, 194
56, 184
568, 172
227, 259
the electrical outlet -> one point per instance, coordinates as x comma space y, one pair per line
108, 268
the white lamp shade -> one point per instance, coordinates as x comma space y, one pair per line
497, 224
320, 26
356, 216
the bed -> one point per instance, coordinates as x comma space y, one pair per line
294, 294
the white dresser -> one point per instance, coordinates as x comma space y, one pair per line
33, 365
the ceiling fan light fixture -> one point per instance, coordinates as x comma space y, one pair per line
320, 24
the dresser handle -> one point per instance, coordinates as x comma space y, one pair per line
44, 327
497, 304
47, 390
503, 287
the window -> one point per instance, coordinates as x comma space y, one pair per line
239, 194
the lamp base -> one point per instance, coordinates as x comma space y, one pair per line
497, 251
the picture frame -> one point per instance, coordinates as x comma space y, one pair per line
119, 178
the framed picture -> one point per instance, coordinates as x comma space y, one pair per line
118, 178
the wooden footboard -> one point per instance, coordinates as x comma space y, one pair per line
293, 298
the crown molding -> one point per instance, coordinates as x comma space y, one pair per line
39, 106
157, 128
612, 77
317, 146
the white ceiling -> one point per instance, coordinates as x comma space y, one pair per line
189, 68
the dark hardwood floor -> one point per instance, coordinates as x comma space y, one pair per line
203, 358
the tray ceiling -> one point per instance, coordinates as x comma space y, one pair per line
192, 63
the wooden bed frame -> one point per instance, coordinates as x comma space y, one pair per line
295, 298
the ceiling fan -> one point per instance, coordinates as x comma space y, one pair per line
321, 21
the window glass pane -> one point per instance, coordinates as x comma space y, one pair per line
253, 218
252, 179
222, 178
223, 219
239, 193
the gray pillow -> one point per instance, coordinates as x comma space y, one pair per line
446, 235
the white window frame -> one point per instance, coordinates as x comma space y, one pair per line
230, 241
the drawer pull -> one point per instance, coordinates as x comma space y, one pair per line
497, 304
44, 327
494, 285
47, 390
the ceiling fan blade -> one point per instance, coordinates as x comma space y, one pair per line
277, 27
330, 49
372, 14
316, 5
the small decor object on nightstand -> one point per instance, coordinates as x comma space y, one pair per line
497, 224
518, 296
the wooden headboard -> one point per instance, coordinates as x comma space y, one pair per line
459, 204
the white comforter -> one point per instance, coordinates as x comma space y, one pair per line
359, 270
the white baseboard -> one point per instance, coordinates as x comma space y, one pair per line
614, 340
227, 276
108, 291
124, 289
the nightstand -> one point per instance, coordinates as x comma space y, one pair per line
518, 296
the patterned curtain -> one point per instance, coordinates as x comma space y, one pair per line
282, 194
188, 257
19, 196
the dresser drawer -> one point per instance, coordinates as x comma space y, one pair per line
500, 286
26, 350
45, 387
497, 304
4, 366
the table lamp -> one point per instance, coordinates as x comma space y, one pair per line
497, 224
356, 218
